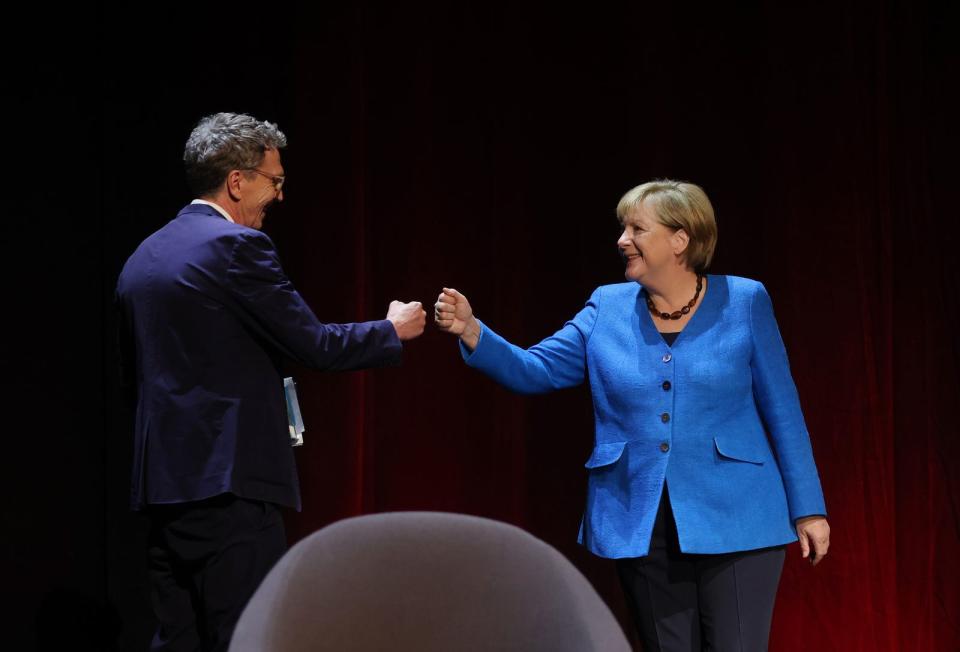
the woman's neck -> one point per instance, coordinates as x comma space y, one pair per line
674, 291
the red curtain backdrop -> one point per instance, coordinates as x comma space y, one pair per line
485, 148
486, 151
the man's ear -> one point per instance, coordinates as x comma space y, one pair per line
233, 184
680, 241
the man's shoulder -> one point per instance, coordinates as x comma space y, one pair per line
200, 226
204, 221
197, 237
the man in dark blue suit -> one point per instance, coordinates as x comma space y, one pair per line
206, 315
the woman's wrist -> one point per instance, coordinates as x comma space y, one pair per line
471, 334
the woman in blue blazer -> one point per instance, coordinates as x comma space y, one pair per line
702, 469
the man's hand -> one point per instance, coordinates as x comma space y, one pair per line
453, 314
409, 319
813, 531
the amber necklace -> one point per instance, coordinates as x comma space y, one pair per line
677, 314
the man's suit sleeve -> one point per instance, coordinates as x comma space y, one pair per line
269, 304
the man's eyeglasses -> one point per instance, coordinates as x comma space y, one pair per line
277, 181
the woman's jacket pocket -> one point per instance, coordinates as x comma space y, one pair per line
739, 450
605, 454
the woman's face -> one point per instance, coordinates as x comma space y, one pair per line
647, 246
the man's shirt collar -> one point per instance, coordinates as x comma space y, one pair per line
218, 208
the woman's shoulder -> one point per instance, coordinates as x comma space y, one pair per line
737, 285
617, 291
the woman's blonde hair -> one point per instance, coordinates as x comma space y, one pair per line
678, 205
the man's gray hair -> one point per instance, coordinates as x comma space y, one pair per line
223, 142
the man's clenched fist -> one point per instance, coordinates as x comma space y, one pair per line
408, 318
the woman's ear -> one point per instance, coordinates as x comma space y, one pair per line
680, 240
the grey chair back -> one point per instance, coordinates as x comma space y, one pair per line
425, 582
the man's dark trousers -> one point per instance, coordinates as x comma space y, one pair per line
206, 560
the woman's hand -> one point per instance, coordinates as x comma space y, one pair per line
813, 531
453, 314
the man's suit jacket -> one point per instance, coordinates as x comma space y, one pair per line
206, 315
716, 416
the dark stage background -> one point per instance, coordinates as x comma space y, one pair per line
485, 148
